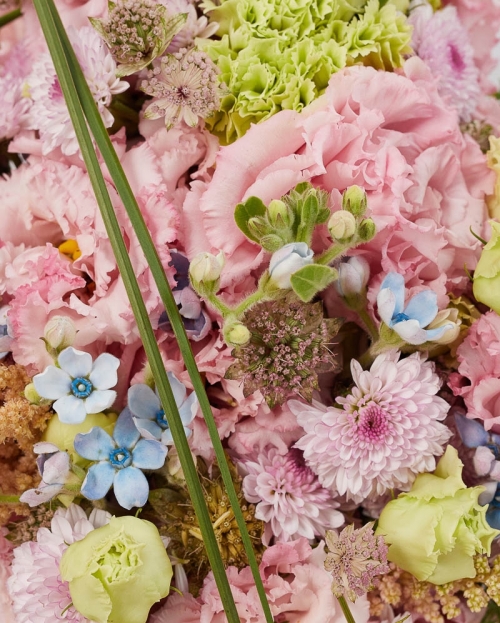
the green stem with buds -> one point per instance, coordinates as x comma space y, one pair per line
346, 610
217, 304
332, 253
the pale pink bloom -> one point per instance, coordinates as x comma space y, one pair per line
14, 96
5, 562
477, 380
387, 432
49, 114
38, 593
390, 133
297, 587
288, 496
442, 42
195, 27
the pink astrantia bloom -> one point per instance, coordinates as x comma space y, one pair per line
38, 593
49, 114
297, 587
442, 42
289, 497
477, 380
387, 432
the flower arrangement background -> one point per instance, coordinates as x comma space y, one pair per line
320, 181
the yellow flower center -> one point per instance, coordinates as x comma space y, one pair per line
70, 249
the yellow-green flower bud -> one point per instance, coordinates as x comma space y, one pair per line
354, 200
342, 226
486, 285
32, 395
236, 334
279, 214
59, 333
367, 230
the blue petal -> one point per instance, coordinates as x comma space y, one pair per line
178, 388
493, 516
495, 439
98, 481
131, 488
423, 307
471, 432
149, 454
147, 425
125, 433
189, 408
143, 402
94, 445
396, 284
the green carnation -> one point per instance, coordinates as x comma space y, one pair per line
435, 530
486, 286
275, 55
117, 572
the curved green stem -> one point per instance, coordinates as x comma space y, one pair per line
254, 298
331, 254
217, 304
346, 610
370, 326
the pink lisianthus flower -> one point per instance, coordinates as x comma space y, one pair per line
297, 587
477, 380
391, 134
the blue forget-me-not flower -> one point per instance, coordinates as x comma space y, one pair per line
120, 461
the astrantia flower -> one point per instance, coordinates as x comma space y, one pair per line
387, 432
38, 593
440, 39
289, 497
354, 558
78, 385
49, 114
137, 32
287, 350
185, 87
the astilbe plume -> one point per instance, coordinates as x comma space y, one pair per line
287, 350
184, 86
355, 558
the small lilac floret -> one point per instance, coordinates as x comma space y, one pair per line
54, 467
119, 462
149, 416
79, 386
409, 322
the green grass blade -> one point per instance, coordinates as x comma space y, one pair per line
121, 183
113, 229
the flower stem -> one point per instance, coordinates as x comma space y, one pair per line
9, 499
249, 301
346, 610
370, 326
217, 304
330, 254
10, 17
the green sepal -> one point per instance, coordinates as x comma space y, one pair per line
272, 242
243, 212
311, 279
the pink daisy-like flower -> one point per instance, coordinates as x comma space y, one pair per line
14, 101
442, 42
388, 431
38, 593
49, 114
184, 87
289, 497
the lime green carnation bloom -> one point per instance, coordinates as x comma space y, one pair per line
486, 285
117, 572
276, 54
436, 529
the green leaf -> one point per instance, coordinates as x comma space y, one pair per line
271, 242
83, 110
311, 279
243, 212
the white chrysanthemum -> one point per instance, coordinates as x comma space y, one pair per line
38, 593
289, 497
49, 114
388, 431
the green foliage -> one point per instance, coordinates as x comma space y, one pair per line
309, 280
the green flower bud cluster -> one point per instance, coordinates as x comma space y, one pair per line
277, 55
347, 226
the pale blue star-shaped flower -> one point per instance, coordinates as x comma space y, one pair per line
149, 416
79, 386
409, 322
121, 459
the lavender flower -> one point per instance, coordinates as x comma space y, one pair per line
54, 468
354, 558
184, 87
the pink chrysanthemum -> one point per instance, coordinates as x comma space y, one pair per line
49, 114
289, 497
38, 593
442, 42
184, 86
196, 27
387, 432
14, 100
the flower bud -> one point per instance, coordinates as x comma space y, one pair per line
59, 333
446, 317
367, 230
258, 226
236, 334
354, 200
280, 215
288, 260
205, 269
31, 394
353, 276
342, 225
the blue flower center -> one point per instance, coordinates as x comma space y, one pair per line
81, 388
400, 318
120, 458
161, 419
495, 449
